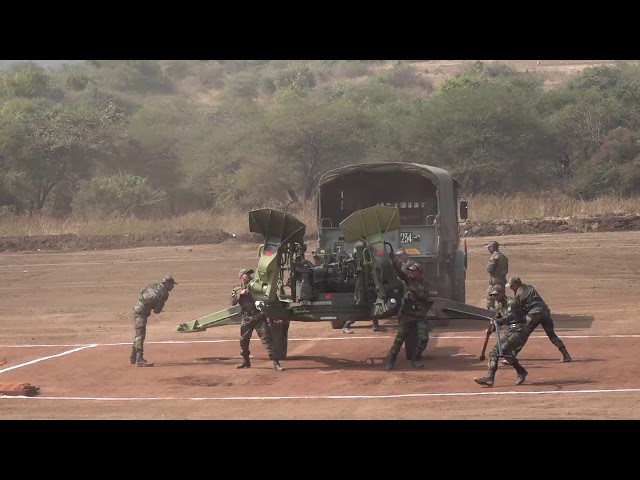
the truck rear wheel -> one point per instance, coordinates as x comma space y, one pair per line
280, 337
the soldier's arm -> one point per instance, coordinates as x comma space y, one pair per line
235, 297
398, 266
159, 305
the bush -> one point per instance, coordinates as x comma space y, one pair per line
27, 81
352, 69
298, 77
403, 75
118, 195
242, 85
76, 80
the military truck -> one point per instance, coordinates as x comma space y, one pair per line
431, 206
365, 213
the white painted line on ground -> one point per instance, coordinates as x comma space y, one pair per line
345, 397
47, 358
350, 337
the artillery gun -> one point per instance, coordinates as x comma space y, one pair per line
364, 213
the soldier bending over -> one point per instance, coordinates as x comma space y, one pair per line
514, 327
152, 298
538, 313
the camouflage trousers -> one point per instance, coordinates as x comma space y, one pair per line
260, 324
423, 334
491, 301
140, 329
408, 324
543, 318
511, 340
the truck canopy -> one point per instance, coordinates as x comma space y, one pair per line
367, 184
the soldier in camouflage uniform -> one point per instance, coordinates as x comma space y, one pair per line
252, 319
413, 314
538, 313
497, 268
424, 325
404, 261
513, 324
152, 299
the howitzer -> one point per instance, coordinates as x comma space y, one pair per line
337, 286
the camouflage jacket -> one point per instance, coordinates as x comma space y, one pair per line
508, 315
152, 298
246, 301
417, 300
498, 267
528, 301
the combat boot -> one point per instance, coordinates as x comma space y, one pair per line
132, 357
391, 361
277, 366
565, 355
488, 380
245, 363
377, 327
416, 364
140, 361
346, 328
521, 376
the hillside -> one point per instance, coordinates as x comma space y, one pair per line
5, 64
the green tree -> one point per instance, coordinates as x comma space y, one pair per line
309, 137
47, 144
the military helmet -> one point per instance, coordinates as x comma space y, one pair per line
493, 244
495, 289
248, 271
415, 266
515, 280
169, 279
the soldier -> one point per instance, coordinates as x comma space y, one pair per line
413, 314
152, 298
404, 262
497, 268
252, 319
513, 323
538, 313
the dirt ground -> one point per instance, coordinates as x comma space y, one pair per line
67, 328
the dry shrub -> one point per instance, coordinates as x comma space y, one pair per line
481, 208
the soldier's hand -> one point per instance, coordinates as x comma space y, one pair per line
242, 292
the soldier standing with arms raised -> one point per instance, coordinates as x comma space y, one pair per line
252, 319
413, 314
